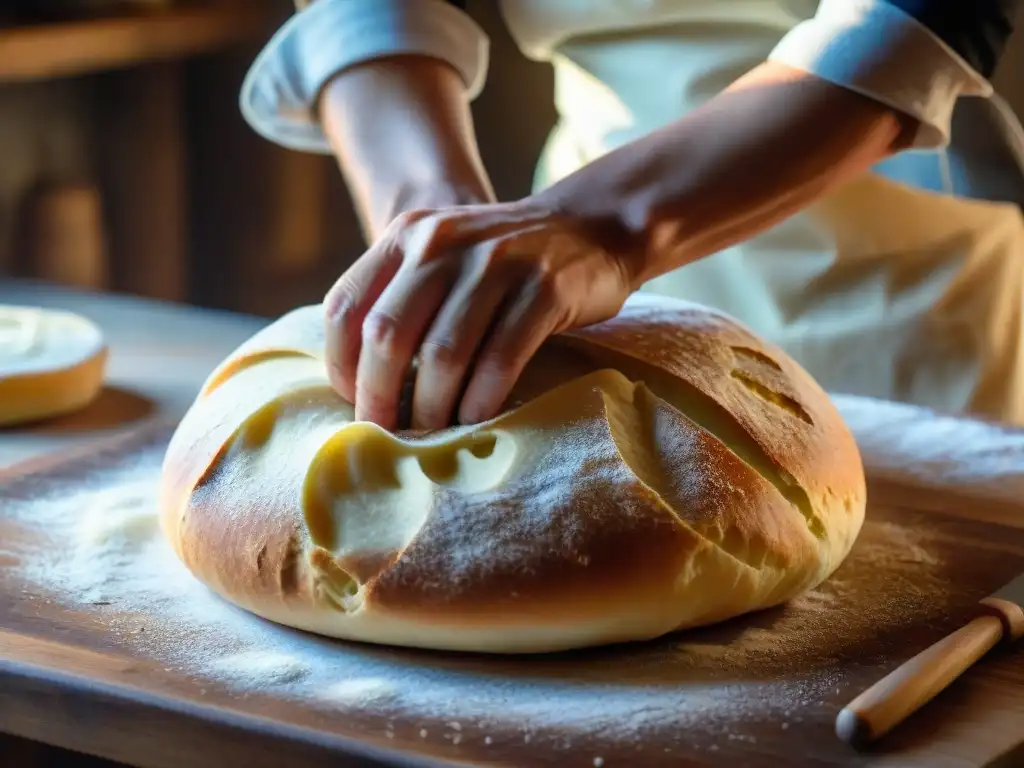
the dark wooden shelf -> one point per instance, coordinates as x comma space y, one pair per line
46, 51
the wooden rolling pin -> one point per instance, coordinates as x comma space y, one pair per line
903, 691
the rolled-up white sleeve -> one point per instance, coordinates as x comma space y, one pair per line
280, 91
876, 49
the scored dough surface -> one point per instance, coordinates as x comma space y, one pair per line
661, 470
51, 363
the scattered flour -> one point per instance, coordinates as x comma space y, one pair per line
121, 570
100, 550
906, 442
125, 576
360, 690
261, 668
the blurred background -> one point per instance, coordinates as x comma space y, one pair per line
125, 164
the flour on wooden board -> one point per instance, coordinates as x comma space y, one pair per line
106, 555
121, 567
906, 442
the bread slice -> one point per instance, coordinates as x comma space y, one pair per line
51, 363
661, 470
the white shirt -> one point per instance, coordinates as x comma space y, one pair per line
865, 45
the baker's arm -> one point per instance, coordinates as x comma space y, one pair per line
474, 291
403, 135
384, 85
859, 81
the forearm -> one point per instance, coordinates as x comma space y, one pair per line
402, 131
772, 144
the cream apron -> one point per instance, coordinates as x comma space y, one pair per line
897, 286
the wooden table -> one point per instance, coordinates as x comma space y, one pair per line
137, 391
43, 51
163, 683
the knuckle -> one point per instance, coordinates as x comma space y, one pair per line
407, 219
340, 303
439, 354
498, 365
426, 241
382, 332
499, 249
443, 225
509, 256
404, 220
341, 314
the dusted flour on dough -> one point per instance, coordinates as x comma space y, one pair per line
701, 693
666, 469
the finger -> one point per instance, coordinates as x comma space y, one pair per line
391, 334
345, 308
531, 318
447, 351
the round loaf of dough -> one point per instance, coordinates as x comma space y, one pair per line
51, 363
661, 470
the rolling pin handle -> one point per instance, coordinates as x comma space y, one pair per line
1010, 614
906, 689
852, 728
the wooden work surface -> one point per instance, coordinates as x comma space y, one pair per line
149, 670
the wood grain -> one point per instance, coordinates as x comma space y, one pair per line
46, 51
751, 692
763, 690
912, 685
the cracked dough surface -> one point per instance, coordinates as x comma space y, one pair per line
661, 470
51, 363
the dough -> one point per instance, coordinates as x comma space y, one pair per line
662, 470
51, 363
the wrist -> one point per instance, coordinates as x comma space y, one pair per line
393, 200
443, 194
611, 219
772, 144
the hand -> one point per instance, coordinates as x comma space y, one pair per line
471, 292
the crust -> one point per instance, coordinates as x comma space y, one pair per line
661, 470
51, 363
